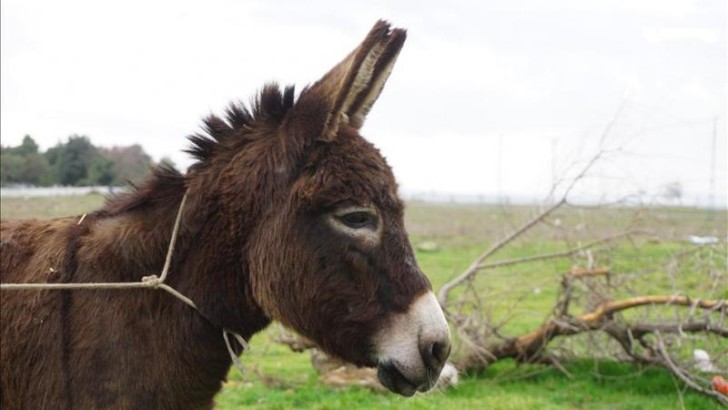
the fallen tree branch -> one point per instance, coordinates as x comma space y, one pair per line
529, 346
641, 329
578, 273
613, 307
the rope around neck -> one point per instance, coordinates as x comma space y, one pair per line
148, 282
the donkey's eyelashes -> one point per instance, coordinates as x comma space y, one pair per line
358, 222
358, 219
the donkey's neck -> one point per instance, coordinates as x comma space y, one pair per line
208, 266
208, 263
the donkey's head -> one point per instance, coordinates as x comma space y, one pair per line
328, 254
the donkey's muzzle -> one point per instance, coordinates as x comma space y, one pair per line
434, 355
413, 347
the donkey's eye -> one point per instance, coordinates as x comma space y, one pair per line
357, 220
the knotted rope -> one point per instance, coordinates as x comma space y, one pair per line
148, 282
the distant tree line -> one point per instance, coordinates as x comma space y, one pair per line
77, 162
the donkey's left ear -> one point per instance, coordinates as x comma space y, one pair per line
347, 92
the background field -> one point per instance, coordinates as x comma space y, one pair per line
447, 238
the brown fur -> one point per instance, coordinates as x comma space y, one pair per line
253, 247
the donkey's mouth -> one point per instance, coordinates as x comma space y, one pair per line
395, 381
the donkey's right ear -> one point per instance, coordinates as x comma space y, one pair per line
347, 92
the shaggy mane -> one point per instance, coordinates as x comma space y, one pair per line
166, 184
268, 108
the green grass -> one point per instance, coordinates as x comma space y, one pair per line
277, 378
592, 385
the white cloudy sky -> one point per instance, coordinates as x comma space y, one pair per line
488, 97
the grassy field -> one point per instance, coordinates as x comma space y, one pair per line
447, 238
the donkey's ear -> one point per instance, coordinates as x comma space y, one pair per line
346, 93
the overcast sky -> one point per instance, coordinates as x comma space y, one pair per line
487, 98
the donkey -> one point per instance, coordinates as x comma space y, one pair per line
290, 215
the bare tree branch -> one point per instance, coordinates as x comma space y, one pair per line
555, 255
613, 307
681, 374
529, 345
473, 268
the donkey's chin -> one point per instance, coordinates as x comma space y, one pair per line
413, 347
393, 379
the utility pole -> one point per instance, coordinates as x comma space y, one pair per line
714, 153
553, 163
499, 171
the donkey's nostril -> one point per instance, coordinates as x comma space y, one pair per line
434, 355
441, 351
